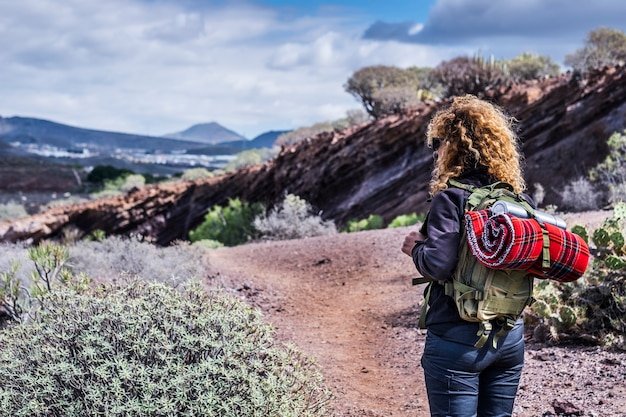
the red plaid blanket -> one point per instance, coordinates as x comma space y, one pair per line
569, 256
503, 241
508, 242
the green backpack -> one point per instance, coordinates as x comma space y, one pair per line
482, 294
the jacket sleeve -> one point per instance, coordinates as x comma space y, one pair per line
436, 256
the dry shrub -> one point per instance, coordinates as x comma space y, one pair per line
292, 219
580, 195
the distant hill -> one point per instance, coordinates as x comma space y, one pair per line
267, 139
33, 131
208, 133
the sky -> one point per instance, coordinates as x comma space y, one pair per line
154, 67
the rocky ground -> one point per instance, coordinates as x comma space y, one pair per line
347, 300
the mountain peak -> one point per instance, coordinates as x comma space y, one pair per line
210, 133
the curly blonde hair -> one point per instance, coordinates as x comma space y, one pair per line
476, 134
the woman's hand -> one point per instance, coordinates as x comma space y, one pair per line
410, 240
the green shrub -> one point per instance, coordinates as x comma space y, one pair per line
611, 173
250, 157
373, 221
196, 174
292, 219
592, 307
21, 298
407, 220
146, 349
232, 225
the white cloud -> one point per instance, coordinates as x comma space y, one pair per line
158, 67
507, 27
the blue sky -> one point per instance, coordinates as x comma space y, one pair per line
159, 66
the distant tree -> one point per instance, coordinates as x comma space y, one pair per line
250, 157
468, 75
385, 89
604, 46
195, 174
101, 173
531, 66
133, 182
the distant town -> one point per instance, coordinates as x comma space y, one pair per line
135, 156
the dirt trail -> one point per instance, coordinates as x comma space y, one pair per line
347, 300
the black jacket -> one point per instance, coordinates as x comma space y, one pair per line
436, 256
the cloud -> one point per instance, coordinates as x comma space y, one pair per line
154, 67
551, 26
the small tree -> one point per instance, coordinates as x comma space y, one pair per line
375, 84
603, 47
465, 75
530, 66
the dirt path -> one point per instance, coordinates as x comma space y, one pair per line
341, 303
347, 301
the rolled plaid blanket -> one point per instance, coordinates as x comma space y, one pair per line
569, 256
503, 241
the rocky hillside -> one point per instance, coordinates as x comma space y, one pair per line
378, 168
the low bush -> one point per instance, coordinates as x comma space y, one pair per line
196, 174
146, 349
292, 219
580, 195
373, 221
407, 220
115, 256
231, 225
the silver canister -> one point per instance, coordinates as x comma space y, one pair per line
516, 210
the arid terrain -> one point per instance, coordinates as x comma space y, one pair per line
347, 301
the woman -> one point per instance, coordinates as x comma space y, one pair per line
474, 143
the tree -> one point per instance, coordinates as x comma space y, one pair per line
465, 75
374, 86
603, 47
101, 173
531, 66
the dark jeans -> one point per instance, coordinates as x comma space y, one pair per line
462, 381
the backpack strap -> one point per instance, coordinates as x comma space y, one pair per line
424, 310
